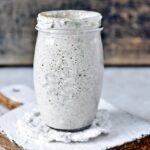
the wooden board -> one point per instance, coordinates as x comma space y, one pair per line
143, 143
126, 35
125, 128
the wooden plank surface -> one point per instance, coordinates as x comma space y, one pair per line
125, 128
116, 114
7, 144
143, 144
126, 34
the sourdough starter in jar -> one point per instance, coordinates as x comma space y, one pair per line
68, 68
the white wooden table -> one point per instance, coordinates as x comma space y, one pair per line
119, 83
121, 86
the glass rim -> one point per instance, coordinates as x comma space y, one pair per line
74, 31
95, 14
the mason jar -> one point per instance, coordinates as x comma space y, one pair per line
68, 68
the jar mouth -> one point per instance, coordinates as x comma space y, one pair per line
70, 14
69, 19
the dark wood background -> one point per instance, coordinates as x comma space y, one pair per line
126, 35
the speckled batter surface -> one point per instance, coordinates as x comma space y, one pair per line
68, 70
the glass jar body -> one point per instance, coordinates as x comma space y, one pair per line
68, 70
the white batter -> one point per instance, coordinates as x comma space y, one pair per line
68, 68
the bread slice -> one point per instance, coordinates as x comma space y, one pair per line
7, 144
16, 95
9, 103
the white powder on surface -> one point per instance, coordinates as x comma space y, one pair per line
32, 127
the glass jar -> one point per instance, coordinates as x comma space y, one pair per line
68, 68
